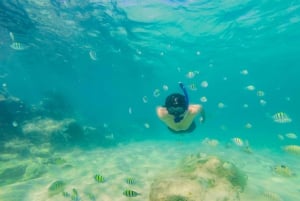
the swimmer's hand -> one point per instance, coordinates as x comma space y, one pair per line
161, 111
202, 118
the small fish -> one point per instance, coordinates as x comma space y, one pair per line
75, 196
190, 75
272, 196
260, 93
66, 194
57, 161
210, 142
237, 141
146, 125
283, 170
221, 105
250, 88
294, 149
109, 136
165, 87
93, 55
248, 125
12, 37
280, 137
99, 178
204, 84
156, 93
91, 196
281, 117
203, 99
56, 187
193, 87
74, 191
145, 99
130, 180
291, 135
18, 46
247, 148
130, 193
244, 72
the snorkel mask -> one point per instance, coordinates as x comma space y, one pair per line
177, 104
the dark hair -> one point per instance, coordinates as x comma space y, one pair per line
176, 100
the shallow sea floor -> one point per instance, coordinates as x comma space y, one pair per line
144, 161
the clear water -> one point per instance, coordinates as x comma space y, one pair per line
93, 61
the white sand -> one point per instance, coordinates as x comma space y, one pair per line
143, 161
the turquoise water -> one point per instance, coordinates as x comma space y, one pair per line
82, 75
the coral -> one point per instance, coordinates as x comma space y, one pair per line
200, 178
45, 129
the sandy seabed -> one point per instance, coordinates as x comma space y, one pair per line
144, 161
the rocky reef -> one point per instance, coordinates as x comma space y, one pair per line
200, 178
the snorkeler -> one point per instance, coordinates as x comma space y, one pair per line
178, 114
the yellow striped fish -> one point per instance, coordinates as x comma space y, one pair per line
294, 149
283, 170
130, 180
272, 196
75, 196
99, 178
237, 141
56, 187
281, 117
130, 193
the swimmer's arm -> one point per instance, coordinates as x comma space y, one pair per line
195, 110
164, 116
161, 112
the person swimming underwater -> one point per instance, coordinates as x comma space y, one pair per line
178, 114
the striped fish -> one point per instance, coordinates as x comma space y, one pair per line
18, 46
56, 187
283, 170
99, 178
237, 141
130, 193
130, 181
272, 196
91, 196
75, 196
66, 194
281, 117
294, 149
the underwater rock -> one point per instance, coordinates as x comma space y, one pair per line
33, 170
17, 145
12, 174
8, 156
46, 129
200, 178
55, 161
44, 150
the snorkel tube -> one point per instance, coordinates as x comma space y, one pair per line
186, 97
